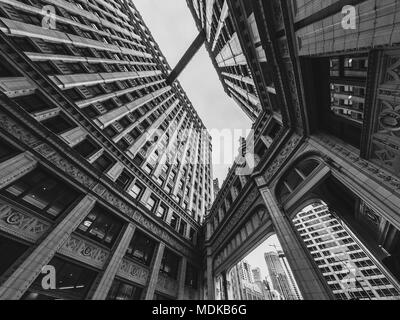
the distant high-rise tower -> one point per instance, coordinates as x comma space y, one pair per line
278, 276
348, 267
289, 274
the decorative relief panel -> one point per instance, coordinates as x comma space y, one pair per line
84, 251
133, 272
385, 150
237, 215
259, 218
167, 285
281, 157
363, 165
21, 224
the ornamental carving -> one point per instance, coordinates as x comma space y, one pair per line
84, 251
133, 272
385, 178
21, 224
385, 145
234, 219
282, 157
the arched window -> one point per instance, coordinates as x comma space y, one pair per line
295, 177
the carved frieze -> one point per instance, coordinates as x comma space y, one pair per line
282, 157
84, 251
133, 272
21, 224
385, 142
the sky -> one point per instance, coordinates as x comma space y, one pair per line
173, 28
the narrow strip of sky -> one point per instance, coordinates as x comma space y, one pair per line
173, 27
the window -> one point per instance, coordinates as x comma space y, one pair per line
124, 179
10, 251
73, 282
86, 148
58, 124
161, 212
122, 291
192, 233
191, 279
103, 163
40, 190
169, 264
151, 203
174, 221
102, 226
182, 227
141, 248
6, 151
136, 191
33, 103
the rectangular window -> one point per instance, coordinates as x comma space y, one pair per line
41, 191
170, 264
58, 124
103, 163
161, 212
10, 251
101, 226
6, 151
86, 148
174, 221
151, 203
141, 248
123, 291
136, 191
191, 279
182, 227
124, 179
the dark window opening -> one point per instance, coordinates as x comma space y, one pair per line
101, 226
170, 264
41, 191
141, 248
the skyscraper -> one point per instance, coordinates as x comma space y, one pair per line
293, 285
348, 267
227, 54
278, 276
103, 164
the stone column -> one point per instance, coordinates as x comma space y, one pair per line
182, 278
16, 167
306, 272
41, 253
224, 286
113, 265
155, 269
210, 276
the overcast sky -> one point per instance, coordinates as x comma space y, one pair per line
173, 28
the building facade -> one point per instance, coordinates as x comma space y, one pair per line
289, 274
278, 276
349, 268
105, 170
325, 78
